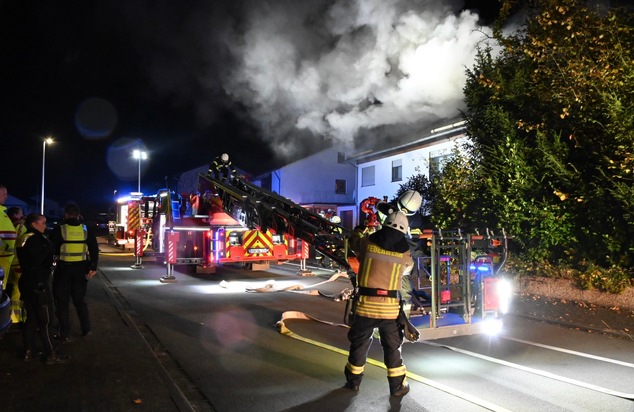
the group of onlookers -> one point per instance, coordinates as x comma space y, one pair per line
43, 273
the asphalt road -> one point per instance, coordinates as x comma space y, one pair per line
218, 341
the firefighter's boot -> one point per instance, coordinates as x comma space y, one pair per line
398, 386
353, 380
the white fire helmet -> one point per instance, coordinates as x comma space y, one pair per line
398, 221
409, 202
224, 157
335, 219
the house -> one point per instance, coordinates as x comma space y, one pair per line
321, 182
380, 172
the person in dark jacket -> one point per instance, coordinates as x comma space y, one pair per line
78, 255
384, 258
36, 256
221, 168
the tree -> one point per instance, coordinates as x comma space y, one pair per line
551, 120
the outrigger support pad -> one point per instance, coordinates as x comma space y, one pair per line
169, 277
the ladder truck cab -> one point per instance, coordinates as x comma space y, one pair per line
195, 230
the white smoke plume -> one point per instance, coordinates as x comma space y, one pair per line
339, 69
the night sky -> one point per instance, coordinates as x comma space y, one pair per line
265, 81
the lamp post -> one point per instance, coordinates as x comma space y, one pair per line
46, 141
140, 155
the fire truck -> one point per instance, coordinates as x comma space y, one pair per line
195, 230
120, 234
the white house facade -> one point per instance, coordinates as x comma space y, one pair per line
381, 173
320, 182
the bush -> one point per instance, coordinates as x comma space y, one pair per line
587, 276
612, 280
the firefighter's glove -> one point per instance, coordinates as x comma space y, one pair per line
409, 331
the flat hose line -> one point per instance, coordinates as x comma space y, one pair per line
296, 315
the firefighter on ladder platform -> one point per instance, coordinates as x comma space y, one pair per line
221, 168
384, 258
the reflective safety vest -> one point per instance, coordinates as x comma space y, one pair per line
7, 236
380, 280
74, 248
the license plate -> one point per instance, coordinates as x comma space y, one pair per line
253, 251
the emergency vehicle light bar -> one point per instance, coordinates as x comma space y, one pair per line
191, 229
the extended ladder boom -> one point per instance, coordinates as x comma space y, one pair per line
264, 209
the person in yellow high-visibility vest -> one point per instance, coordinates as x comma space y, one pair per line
78, 254
18, 314
384, 258
7, 235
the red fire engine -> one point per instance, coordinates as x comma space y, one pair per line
195, 230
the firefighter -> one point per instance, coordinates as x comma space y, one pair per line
18, 315
409, 203
7, 235
221, 168
384, 258
78, 254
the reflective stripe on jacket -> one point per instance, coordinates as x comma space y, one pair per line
74, 247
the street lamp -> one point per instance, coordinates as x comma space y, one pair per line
140, 155
48, 140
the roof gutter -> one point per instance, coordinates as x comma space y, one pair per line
435, 134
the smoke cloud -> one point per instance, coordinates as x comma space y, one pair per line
341, 69
308, 72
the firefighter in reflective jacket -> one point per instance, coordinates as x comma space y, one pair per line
384, 258
78, 255
221, 168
